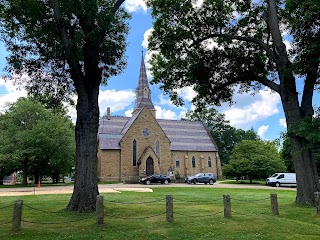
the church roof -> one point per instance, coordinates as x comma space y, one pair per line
184, 135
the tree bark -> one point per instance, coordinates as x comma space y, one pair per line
86, 182
303, 159
304, 163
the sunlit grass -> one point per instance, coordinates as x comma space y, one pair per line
198, 214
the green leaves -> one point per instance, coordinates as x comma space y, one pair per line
211, 48
36, 140
225, 136
254, 159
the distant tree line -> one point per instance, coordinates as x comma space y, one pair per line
242, 153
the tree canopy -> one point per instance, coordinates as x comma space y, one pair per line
224, 46
254, 160
35, 141
225, 136
68, 46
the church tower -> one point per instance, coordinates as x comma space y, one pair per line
143, 92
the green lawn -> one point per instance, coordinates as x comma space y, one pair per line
198, 214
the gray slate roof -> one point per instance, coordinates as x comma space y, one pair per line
184, 135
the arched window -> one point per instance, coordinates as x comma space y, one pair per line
134, 153
209, 162
177, 162
157, 148
193, 162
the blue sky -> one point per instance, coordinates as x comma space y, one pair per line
263, 111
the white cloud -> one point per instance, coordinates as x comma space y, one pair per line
146, 35
187, 93
165, 100
116, 100
262, 130
9, 93
165, 114
253, 108
197, 3
149, 54
283, 122
128, 113
135, 5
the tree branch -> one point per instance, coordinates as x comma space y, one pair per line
261, 44
117, 6
308, 90
60, 21
265, 81
75, 68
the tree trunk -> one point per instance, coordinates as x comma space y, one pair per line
305, 166
86, 183
25, 172
303, 159
36, 177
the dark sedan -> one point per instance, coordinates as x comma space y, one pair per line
156, 178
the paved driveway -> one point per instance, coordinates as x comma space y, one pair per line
119, 187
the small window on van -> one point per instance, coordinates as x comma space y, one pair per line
280, 176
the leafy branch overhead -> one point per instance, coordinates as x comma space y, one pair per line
222, 46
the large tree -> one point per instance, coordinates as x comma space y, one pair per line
254, 160
67, 46
33, 140
223, 45
225, 136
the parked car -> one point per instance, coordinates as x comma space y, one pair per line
156, 178
202, 178
282, 179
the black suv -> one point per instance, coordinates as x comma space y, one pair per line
202, 178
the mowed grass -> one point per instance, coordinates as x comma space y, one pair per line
198, 214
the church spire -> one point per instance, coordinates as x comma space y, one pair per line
143, 93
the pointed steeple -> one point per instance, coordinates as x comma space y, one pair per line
143, 92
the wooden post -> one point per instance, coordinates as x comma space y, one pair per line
99, 210
317, 198
169, 208
17, 215
227, 206
274, 203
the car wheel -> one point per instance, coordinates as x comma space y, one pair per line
148, 182
194, 181
189, 182
278, 184
211, 182
166, 182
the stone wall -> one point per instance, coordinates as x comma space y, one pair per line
201, 163
109, 165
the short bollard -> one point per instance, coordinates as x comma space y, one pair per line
274, 203
99, 210
227, 206
317, 199
169, 208
17, 215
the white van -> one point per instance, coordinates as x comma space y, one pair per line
282, 179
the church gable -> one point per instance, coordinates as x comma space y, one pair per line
144, 126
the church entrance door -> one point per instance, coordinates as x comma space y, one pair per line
149, 167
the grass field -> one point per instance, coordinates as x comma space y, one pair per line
198, 214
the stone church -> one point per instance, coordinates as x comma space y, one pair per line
133, 147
